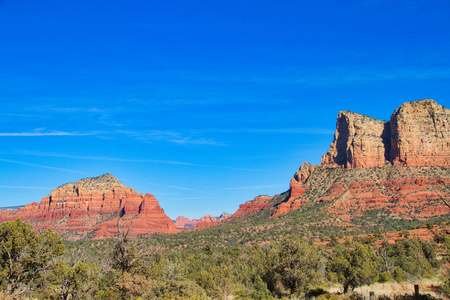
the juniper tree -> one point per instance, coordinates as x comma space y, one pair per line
24, 255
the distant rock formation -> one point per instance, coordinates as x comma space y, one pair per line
224, 216
91, 207
205, 221
209, 221
182, 222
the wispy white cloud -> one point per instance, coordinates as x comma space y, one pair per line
51, 133
42, 166
170, 136
24, 187
100, 158
305, 130
181, 188
51, 154
251, 187
146, 136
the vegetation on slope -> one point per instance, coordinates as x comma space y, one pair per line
142, 268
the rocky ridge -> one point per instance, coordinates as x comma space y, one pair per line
91, 207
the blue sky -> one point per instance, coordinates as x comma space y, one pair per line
205, 104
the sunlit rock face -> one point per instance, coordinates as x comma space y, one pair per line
359, 142
399, 166
420, 134
416, 135
91, 207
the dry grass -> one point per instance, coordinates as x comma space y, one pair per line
390, 289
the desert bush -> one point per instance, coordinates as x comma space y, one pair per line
352, 266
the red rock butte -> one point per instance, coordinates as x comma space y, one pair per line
91, 207
417, 135
400, 165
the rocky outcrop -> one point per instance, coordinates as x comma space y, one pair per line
420, 134
416, 135
91, 207
298, 186
245, 210
209, 221
416, 138
359, 142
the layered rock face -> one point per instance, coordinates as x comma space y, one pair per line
416, 135
92, 206
420, 134
359, 142
399, 166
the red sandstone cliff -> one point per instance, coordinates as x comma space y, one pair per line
91, 207
418, 135
359, 142
400, 165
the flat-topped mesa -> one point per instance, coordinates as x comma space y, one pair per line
416, 135
420, 134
